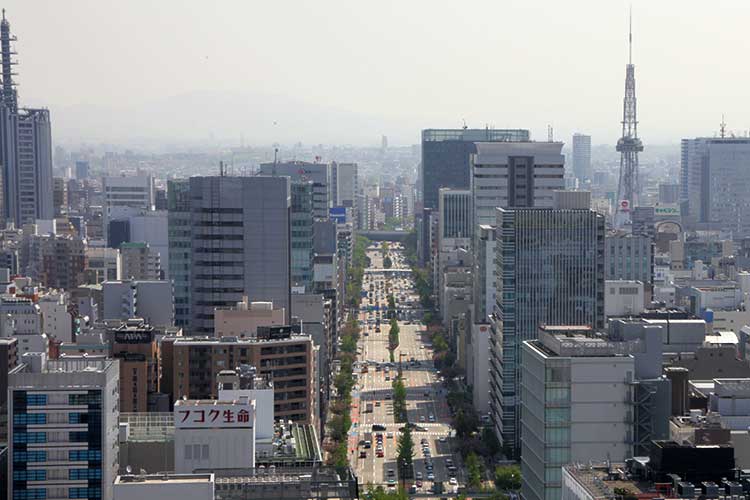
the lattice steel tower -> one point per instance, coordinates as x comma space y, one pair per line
629, 145
8, 94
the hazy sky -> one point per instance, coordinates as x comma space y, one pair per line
347, 71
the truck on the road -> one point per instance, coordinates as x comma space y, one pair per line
368, 408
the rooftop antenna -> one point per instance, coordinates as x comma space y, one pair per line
630, 36
722, 127
275, 159
222, 170
550, 134
465, 126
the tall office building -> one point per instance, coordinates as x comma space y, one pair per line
179, 233
715, 182
25, 148
549, 270
582, 156
344, 184
64, 428
515, 174
455, 217
302, 171
240, 244
303, 217
82, 170
446, 155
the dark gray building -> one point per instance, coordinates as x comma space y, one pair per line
446, 157
549, 271
240, 244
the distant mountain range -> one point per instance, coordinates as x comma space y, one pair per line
207, 115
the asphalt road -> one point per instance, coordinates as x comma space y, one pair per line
426, 402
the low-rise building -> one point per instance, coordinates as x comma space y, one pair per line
623, 298
166, 486
190, 367
244, 319
575, 405
214, 434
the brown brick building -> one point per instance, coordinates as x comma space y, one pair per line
190, 367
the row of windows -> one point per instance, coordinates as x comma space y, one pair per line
84, 455
36, 399
29, 437
30, 419
32, 494
78, 474
85, 493
30, 475
30, 456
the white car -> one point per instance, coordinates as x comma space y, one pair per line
452, 481
430, 476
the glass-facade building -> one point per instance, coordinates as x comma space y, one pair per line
549, 269
302, 234
455, 214
179, 231
446, 155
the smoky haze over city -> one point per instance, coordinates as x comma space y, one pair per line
374, 250
343, 73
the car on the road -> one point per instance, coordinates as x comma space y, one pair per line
421, 418
432, 418
430, 476
368, 444
419, 475
380, 454
377, 403
423, 441
389, 435
413, 489
452, 481
378, 427
418, 484
363, 454
442, 439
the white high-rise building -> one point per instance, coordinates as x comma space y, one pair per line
515, 174
64, 430
582, 156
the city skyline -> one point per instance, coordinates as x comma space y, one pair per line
368, 83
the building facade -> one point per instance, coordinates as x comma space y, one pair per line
179, 233
190, 367
446, 155
715, 181
303, 217
64, 428
549, 270
515, 174
301, 171
240, 244
629, 257
582, 156
576, 406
